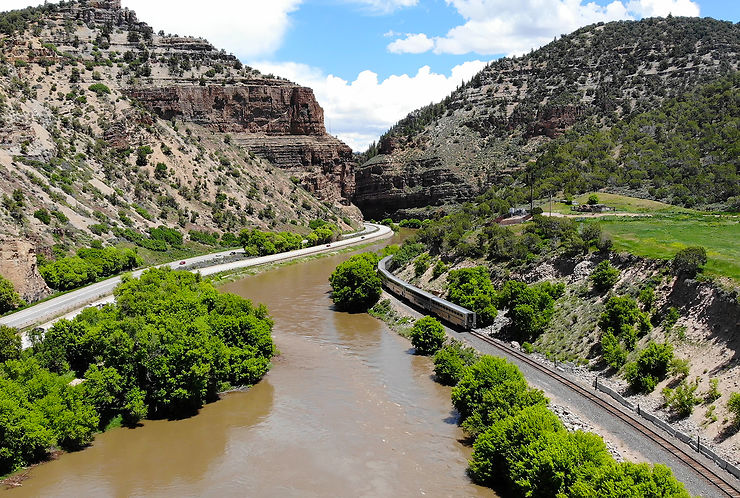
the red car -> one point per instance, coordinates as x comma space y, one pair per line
182, 262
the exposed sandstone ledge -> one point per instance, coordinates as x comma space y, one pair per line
18, 264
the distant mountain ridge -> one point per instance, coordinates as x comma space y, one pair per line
485, 132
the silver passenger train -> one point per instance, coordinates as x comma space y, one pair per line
449, 312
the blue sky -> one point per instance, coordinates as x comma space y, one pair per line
370, 62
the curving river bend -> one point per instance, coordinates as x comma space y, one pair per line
345, 411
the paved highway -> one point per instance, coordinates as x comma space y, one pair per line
47, 310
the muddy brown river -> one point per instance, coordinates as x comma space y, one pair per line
345, 411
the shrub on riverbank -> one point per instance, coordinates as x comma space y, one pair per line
427, 335
523, 449
451, 361
355, 283
87, 266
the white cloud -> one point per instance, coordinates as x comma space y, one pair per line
412, 44
249, 28
651, 8
385, 6
359, 111
512, 28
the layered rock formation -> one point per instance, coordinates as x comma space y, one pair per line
275, 119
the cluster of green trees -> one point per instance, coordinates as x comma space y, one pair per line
168, 345
159, 239
683, 152
16, 21
228, 239
88, 265
259, 243
622, 324
521, 448
530, 307
355, 283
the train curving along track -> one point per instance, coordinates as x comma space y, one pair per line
716, 479
444, 309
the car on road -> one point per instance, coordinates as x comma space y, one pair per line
182, 262
232, 253
328, 245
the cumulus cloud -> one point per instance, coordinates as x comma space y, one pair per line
512, 28
412, 44
248, 29
361, 110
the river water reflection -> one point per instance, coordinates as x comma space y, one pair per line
345, 411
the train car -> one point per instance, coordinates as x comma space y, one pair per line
449, 312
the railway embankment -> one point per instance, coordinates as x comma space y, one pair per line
623, 425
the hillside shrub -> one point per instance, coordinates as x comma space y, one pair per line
421, 264
427, 335
99, 89
650, 367
439, 269
733, 406
683, 398
604, 276
355, 283
10, 344
530, 307
689, 261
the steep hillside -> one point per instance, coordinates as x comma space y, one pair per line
106, 125
489, 129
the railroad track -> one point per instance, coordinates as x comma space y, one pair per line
721, 482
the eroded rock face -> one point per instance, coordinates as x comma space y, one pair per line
18, 264
276, 120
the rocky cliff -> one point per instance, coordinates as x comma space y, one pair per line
108, 126
488, 129
18, 264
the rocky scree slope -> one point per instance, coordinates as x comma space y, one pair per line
106, 124
485, 132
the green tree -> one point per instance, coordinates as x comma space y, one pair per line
355, 283
503, 442
628, 480
530, 307
650, 367
471, 288
689, 261
604, 276
451, 361
9, 298
10, 344
427, 335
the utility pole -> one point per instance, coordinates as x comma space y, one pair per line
551, 204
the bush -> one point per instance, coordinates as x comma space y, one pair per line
492, 389
619, 318
439, 269
650, 367
407, 253
713, 393
682, 399
87, 266
688, 262
604, 276
733, 405
42, 215
9, 298
421, 264
450, 362
355, 283
99, 89
427, 335
593, 199
613, 352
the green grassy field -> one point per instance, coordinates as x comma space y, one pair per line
621, 203
662, 236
